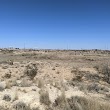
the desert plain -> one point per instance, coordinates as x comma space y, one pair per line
54, 79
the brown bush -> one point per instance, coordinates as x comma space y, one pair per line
105, 70
83, 103
31, 71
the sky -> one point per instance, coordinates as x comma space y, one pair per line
55, 24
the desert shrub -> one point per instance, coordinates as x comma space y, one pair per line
13, 82
10, 62
82, 87
83, 103
25, 83
89, 59
10, 83
7, 97
20, 106
5, 67
97, 88
44, 97
93, 87
77, 77
40, 83
5, 107
75, 70
105, 70
63, 85
92, 77
56, 84
25, 54
6, 51
74, 104
31, 71
61, 102
16, 96
7, 75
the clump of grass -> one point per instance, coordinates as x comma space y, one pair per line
10, 83
20, 106
7, 75
77, 78
40, 83
84, 103
7, 97
61, 102
93, 87
25, 83
77, 75
75, 70
105, 70
44, 97
31, 71
10, 62
16, 96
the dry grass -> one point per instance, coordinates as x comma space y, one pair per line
61, 102
16, 95
31, 71
20, 106
84, 103
44, 97
25, 83
105, 70
7, 97
40, 83
10, 83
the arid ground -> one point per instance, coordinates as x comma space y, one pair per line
54, 79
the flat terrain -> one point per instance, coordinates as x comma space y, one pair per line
54, 79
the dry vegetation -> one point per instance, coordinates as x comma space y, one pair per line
54, 79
